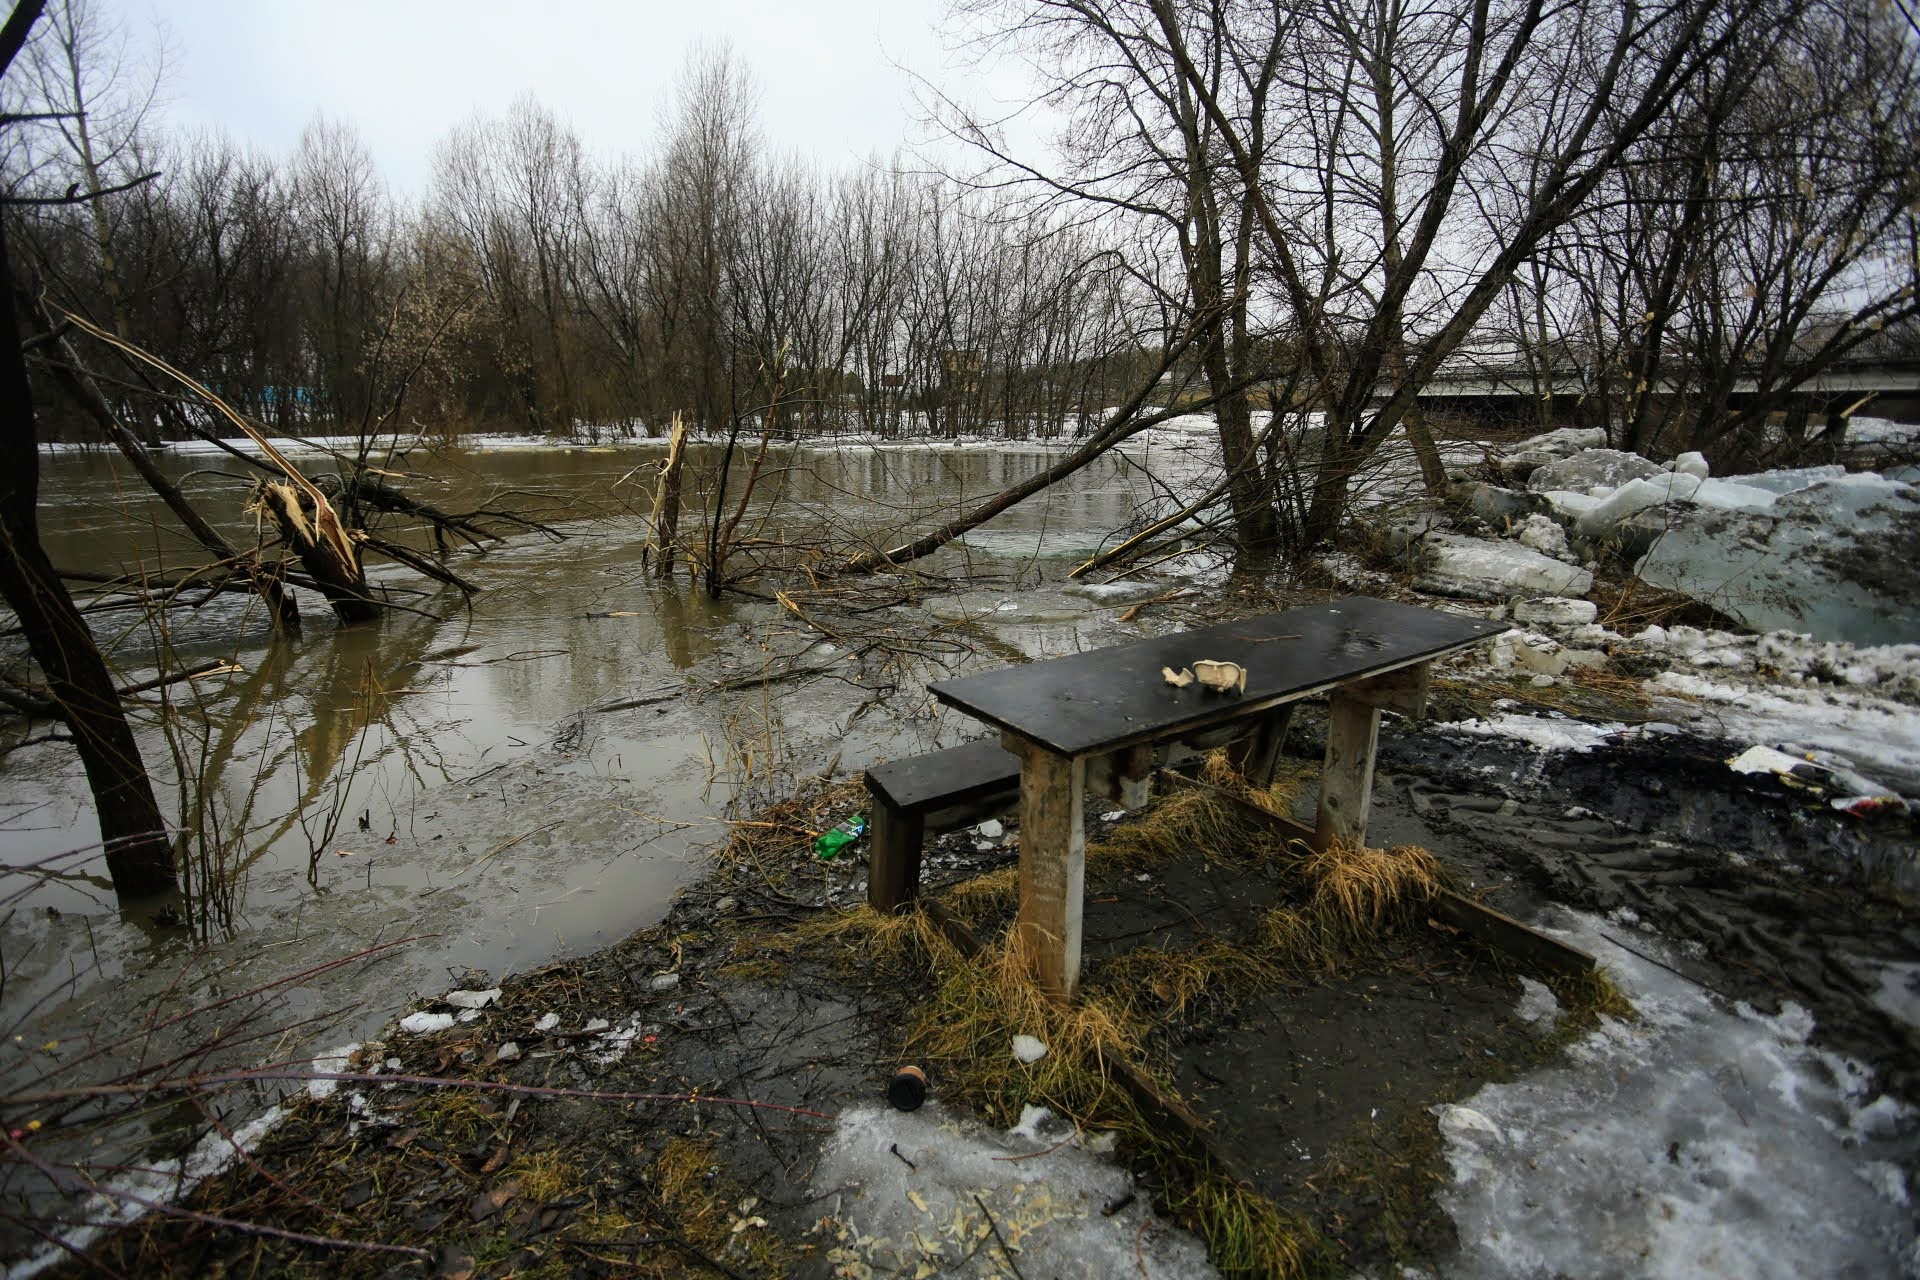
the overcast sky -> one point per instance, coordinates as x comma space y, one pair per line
833, 74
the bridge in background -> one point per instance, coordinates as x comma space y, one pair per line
1488, 392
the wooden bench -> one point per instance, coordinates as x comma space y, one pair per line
938, 791
1092, 723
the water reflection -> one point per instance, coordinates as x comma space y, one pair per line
351, 782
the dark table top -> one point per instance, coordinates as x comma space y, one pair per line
1110, 698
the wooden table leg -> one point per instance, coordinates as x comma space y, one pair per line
893, 870
1124, 776
1255, 755
1346, 778
1053, 863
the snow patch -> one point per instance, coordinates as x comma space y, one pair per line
1694, 1142
1540, 732
899, 1219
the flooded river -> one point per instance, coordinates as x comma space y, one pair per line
441, 775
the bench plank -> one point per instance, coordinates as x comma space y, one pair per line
909, 794
939, 778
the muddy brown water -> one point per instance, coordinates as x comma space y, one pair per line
433, 776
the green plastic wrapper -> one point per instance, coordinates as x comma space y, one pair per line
829, 844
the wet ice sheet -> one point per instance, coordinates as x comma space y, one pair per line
1699, 1142
893, 1219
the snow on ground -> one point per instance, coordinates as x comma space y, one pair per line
1858, 703
1698, 1141
1546, 733
1878, 738
915, 1191
126, 1198
1847, 707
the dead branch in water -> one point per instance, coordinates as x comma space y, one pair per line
32, 700
664, 528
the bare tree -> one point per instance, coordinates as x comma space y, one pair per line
139, 852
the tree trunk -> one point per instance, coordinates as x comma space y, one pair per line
666, 504
134, 835
324, 550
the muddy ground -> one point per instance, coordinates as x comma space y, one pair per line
756, 1019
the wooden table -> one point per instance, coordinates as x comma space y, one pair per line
1093, 722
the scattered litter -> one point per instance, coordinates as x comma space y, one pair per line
471, 999
665, 981
906, 1091
331, 1062
596, 1025
1466, 1123
726, 906
548, 1021
1178, 679
831, 842
508, 1052
992, 829
1221, 677
1029, 1049
424, 1023
1113, 815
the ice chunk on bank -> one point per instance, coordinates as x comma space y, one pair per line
1459, 566
1593, 469
1632, 498
1543, 534
1697, 1141
1535, 452
1839, 558
1556, 611
424, 1023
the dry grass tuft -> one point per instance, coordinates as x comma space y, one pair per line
892, 941
1358, 889
994, 891
966, 1036
1165, 981
545, 1176
682, 1177
1246, 1233
1344, 896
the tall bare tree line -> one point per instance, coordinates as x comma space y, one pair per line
1655, 204
536, 287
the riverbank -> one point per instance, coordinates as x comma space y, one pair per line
1738, 1101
